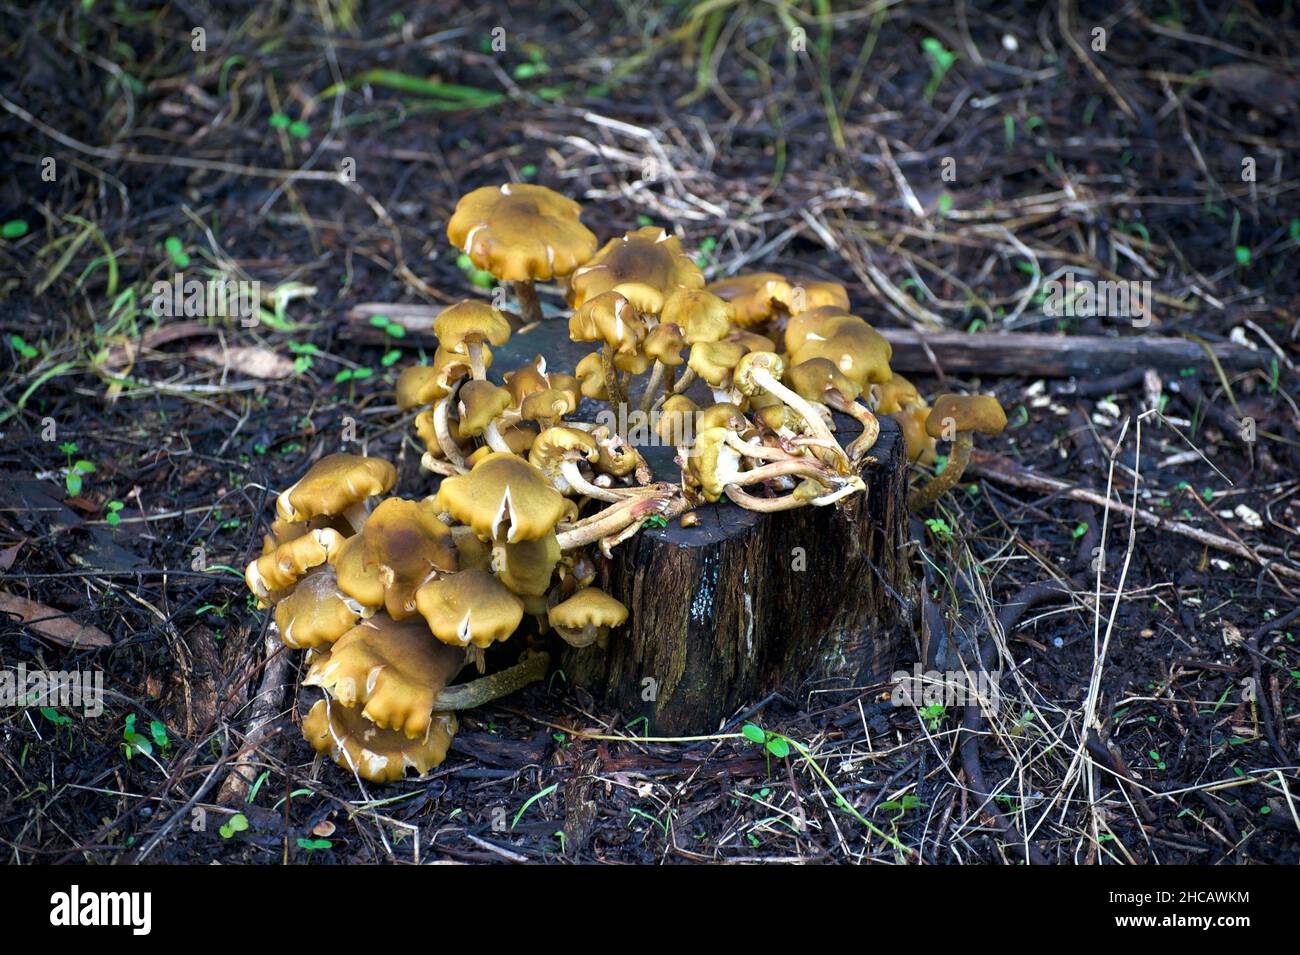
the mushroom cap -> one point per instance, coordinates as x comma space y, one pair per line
857, 349
675, 420
406, 545
635, 362
649, 262
521, 232
317, 613
549, 404
527, 567
811, 380
481, 402
503, 498
814, 321
807, 294
751, 362
712, 463
896, 394
723, 415
469, 607
701, 315
376, 755
288, 563
614, 455
519, 437
980, 413
591, 376
714, 361
470, 321
585, 614
610, 318
333, 484
524, 380
418, 385
665, 344
754, 296
355, 580
393, 669
752, 341
561, 443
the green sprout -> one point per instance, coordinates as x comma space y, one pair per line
939, 528
941, 61
476, 275
933, 715
112, 517
774, 744
237, 823
175, 250
13, 229
20, 346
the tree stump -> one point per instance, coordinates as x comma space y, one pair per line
743, 604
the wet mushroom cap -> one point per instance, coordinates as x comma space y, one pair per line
980, 413
648, 264
811, 379
481, 402
753, 296
521, 232
503, 498
471, 607
419, 385
317, 613
288, 563
714, 361
470, 321
376, 755
591, 375
527, 567
665, 344
333, 484
549, 404
896, 394
859, 351
405, 544
701, 315
609, 318
807, 294
583, 617
363, 584
393, 669
675, 422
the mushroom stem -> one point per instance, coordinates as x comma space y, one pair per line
485, 689
813, 420
439, 466
860, 413
759, 452
613, 387
652, 386
494, 439
789, 502
923, 497
618, 517
579, 483
791, 467
474, 350
450, 449
530, 306
685, 381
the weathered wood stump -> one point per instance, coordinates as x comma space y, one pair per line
743, 604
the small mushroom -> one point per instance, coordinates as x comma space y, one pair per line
817, 379
376, 755
288, 563
715, 362
753, 296
521, 234
481, 403
406, 545
675, 421
860, 352
471, 608
899, 399
955, 418
465, 327
526, 568
609, 318
392, 669
762, 371
587, 617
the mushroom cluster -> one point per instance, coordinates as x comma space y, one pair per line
744, 378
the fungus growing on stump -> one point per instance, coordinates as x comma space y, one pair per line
955, 418
521, 234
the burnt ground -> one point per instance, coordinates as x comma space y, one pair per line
820, 152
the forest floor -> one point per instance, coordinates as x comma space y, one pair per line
946, 167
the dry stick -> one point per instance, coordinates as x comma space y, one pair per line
266, 705
1261, 696
997, 468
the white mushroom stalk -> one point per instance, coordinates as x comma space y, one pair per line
442, 429
862, 414
494, 440
574, 477
753, 368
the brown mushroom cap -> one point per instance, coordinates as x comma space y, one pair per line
557, 445
470, 321
665, 344
394, 669
609, 318
317, 613
712, 463
648, 265
807, 294
418, 385
675, 422
288, 563
521, 232
481, 403
504, 498
591, 375
376, 755
920, 446
754, 296
333, 484
714, 361
549, 404
586, 616
816, 376
701, 315
896, 394
860, 352
814, 321
471, 607
724, 414
406, 545
357, 581
980, 413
